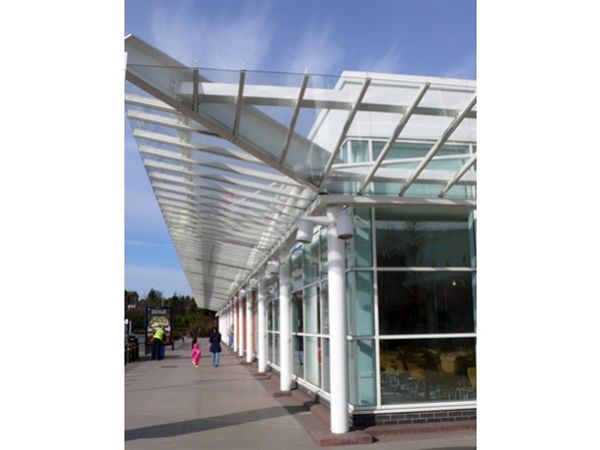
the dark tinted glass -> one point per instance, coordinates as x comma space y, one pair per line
425, 302
417, 238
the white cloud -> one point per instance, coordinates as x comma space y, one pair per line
216, 41
389, 62
317, 52
134, 243
467, 69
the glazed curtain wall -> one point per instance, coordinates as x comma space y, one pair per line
411, 306
310, 314
272, 300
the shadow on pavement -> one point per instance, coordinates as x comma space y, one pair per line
209, 423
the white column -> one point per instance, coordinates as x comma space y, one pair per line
234, 310
241, 327
262, 333
338, 346
229, 320
285, 329
249, 349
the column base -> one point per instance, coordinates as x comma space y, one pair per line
328, 439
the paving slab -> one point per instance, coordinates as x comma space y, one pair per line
169, 404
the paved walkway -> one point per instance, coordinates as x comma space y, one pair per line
169, 404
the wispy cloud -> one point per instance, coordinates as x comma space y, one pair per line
390, 61
318, 51
467, 69
219, 41
133, 243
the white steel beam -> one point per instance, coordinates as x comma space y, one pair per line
225, 93
458, 175
336, 150
238, 104
388, 145
438, 145
291, 128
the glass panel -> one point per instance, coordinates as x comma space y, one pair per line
270, 316
422, 370
312, 363
270, 347
323, 251
325, 348
311, 318
176, 82
425, 302
296, 268
360, 303
359, 151
324, 308
361, 361
420, 238
360, 247
311, 260
297, 313
345, 152
433, 190
276, 315
276, 350
298, 355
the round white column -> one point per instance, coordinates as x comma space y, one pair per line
338, 346
285, 329
261, 325
230, 325
227, 326
240, 327
249, 349
234, 311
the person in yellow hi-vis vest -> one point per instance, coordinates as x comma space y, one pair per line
157, 343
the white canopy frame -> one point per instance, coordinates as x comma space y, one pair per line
230, 201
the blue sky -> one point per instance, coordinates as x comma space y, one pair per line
423, 37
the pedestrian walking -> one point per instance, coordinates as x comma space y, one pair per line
215, 346
196, 354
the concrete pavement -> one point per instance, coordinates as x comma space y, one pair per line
169, 404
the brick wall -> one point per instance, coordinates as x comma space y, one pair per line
368, 420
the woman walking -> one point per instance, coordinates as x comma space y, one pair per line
215, 346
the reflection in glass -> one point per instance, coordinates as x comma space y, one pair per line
361, 365
422, 370
418, 238
296, 268
425, 302
297, 313
324, 308
311, 260
276, 350
311, 303
359, 249
298, 355
312, 360
270, 347
323, 251
325, 349
360, 303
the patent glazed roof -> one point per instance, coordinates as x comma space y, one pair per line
236, 157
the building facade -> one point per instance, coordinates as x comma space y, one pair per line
331, 223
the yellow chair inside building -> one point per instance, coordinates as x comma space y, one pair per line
469, 391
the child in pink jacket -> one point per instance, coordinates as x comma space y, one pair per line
196, 354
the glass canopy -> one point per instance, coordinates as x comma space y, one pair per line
235, 158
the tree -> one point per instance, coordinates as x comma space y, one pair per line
154, 298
